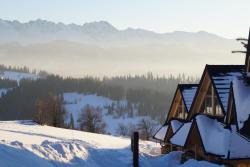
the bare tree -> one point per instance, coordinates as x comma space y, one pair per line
90, 120
57, 110
122, 130
146, 128
50, 111
41, 114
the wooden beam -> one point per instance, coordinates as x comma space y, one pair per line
135, 146
183, 109
213, 101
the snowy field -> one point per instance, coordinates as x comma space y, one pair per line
18, 76
3, 91
26, 144
75, 102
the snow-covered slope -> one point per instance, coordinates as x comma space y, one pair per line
75, 102
26, 144
3, 91
18, 76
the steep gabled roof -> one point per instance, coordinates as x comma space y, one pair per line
241, 94
231, 117
220, 76
212, 134
180, 136
217, 140
188, 92
161, 133
174, 125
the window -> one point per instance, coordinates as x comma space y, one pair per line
181, 112
218, 110
211, 104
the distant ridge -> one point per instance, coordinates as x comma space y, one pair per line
99, 48
100, 31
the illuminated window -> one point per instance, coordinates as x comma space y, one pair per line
211, 104
181, 112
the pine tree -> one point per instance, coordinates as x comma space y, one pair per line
90, 120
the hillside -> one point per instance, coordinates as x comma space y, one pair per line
26, 144
18, 76
14, 77
144, 95
75, 103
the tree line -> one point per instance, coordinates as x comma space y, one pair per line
151, 94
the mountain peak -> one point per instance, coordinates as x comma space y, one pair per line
99, 26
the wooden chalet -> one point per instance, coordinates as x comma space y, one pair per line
220, 118
216, 121
177, 115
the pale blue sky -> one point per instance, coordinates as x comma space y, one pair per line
229, 18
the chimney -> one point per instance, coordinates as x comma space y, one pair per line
247, 61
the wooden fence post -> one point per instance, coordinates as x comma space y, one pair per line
135, 148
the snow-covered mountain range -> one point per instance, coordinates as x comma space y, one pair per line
93, 32
49, 46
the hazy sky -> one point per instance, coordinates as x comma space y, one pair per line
229, 18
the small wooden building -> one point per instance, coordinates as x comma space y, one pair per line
182, 101
177, 115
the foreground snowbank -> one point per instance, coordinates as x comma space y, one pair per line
25, 144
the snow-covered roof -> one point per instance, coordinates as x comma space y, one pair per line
221, 76
161, 133
241, 91
220, 141
222, 85
212, 134
188, 93
179, 138
238, 146
175, 124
